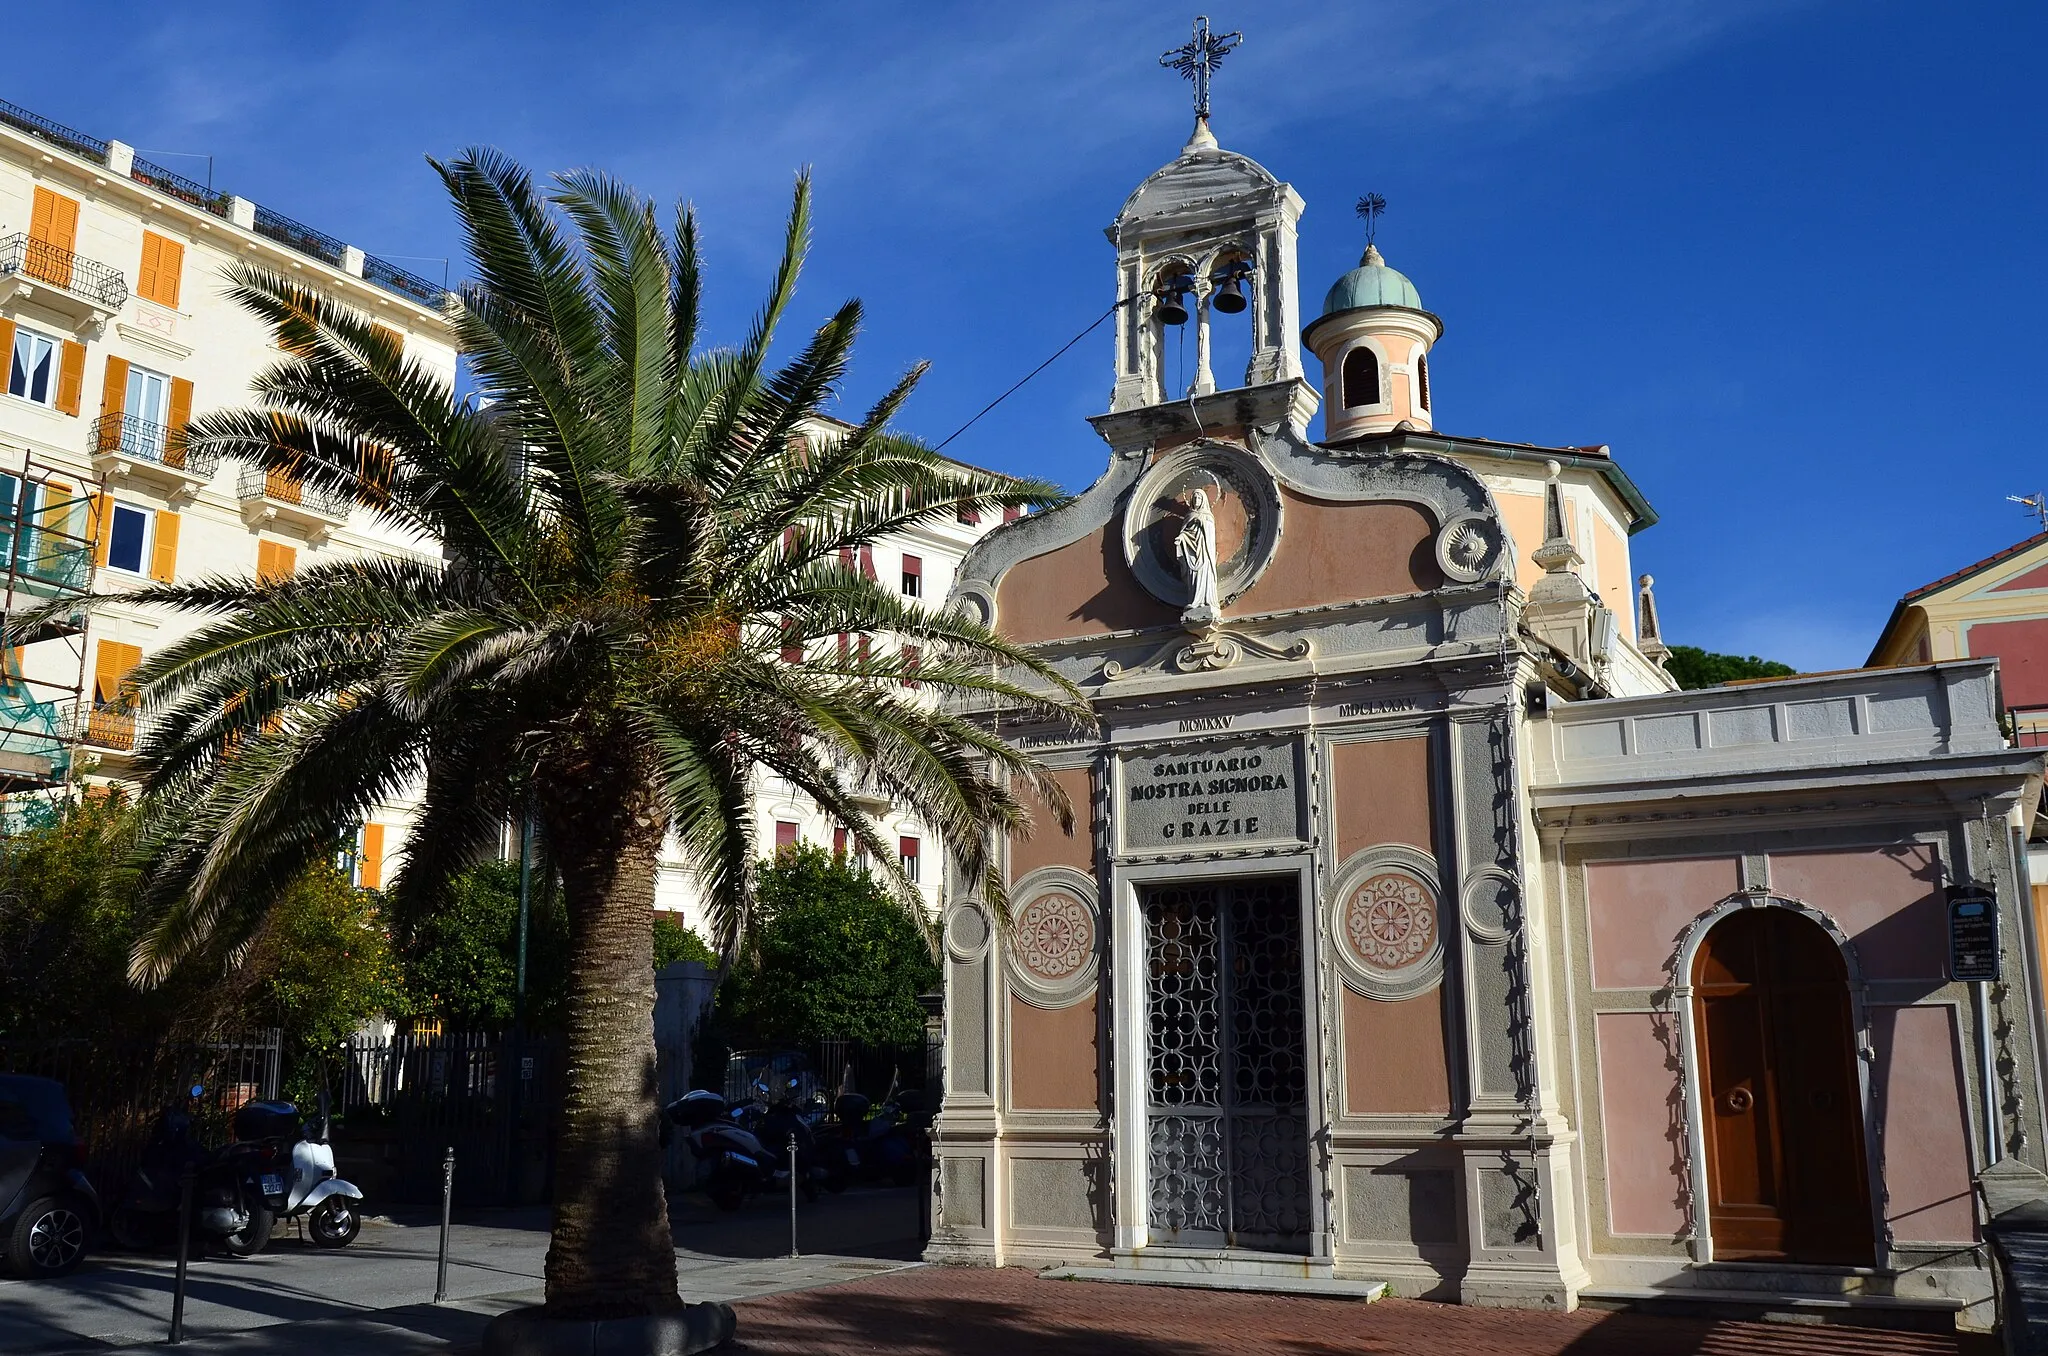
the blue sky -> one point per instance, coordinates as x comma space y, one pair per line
1782, 257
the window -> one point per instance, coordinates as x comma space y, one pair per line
867, 563
128, 539
1361, 378
33, 374
787, 834
913, 576
1012, 514
839, 842
275, 561
369, 865
1422, 372
969, 514
913, 660
907, 854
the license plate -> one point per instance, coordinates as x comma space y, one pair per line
273, 1185
853, 1157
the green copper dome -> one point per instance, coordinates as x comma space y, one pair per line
1372, 283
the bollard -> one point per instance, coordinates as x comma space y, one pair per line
792, 1196
447, 1203
184, 1254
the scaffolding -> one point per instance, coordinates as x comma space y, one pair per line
49, 530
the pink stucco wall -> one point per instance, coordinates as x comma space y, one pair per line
1871, 893
1638, 1097
2022, 650
1636, 909
1917, 1091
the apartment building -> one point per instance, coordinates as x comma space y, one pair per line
118, 332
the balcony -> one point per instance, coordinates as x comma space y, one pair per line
146, 454
110, 726
85, 289
275, 499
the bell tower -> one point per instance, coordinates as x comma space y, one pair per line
1206, 240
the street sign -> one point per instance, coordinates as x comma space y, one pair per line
526, 1066
1972, 933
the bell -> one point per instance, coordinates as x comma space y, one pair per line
1173, 308
1229, 294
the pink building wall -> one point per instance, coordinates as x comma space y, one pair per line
2022, 651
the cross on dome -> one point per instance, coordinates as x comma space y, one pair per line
1198, 58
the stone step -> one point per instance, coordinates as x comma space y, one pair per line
1249, 1281
1865, 1311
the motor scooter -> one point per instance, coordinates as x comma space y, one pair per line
295, 1168
739, 1164
228, 1206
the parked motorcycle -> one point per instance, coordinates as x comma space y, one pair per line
228, 1206
294, 1165
861, 1144
739, 1164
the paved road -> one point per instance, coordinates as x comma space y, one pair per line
121, 1299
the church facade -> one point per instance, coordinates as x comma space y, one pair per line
1415, 931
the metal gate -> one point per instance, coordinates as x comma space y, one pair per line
1228, 1113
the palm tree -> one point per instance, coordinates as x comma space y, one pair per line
634, 532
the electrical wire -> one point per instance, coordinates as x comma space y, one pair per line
1093, 326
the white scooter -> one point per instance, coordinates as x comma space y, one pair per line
296, 1165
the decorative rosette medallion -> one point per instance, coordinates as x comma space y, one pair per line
1053, 937
1384, 915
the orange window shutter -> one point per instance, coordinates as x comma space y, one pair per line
163, 265
7, 343
103, 528
181, 404
54, 219
275, 560
370, 864
397, 339
114, 393
71, 378
116, 660
145, 275
163, 556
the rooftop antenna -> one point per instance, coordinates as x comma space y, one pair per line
1369, 208
2035, 503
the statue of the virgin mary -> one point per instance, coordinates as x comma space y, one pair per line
1195, 547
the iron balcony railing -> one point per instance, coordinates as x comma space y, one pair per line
56, 133
392, 278
44, 262
299, 236
145, 440
2027, 726
44, 562
257, 483
178, 186
110, 725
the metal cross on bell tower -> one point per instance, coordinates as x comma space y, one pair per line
1198, 58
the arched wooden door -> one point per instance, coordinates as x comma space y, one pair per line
1784, 1123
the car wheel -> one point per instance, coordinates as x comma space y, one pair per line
253, 1236
49, 1237
335, 1222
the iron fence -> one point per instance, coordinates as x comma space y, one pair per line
257, 483
2027, 726
117, 1088
122, 434
400, 1100
828, 1067
45, 262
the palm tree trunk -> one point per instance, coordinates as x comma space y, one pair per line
612, 1253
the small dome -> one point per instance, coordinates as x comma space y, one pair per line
1372, 283
1203, 174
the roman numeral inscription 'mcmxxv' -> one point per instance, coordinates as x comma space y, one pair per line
1238, 793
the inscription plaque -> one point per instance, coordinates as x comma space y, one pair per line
1220, 796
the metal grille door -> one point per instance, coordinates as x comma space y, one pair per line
1228, 1114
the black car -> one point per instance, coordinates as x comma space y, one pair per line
47, 1207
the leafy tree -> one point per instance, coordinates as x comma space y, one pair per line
1697, 668
674, 942
633, 530
460, 949
834, 956
323, 965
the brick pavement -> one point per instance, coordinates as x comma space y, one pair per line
939, 1311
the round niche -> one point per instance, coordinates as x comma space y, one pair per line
967, 932
1470, 547
1387, 921
1244, 499
1055, 935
